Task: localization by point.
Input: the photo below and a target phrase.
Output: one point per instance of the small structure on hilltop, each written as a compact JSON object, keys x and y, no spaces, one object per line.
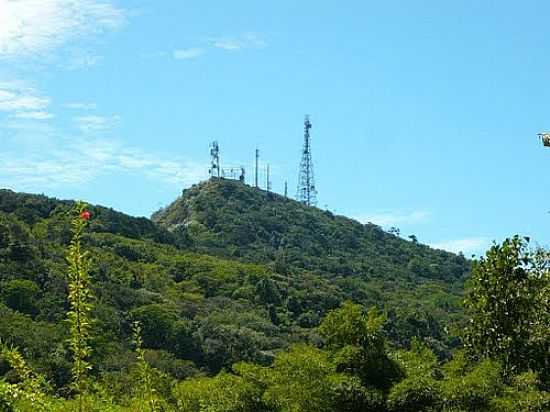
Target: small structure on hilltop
{"x":545,"y":138}
{"x":217,"y":171}
{"x":234,"y":173}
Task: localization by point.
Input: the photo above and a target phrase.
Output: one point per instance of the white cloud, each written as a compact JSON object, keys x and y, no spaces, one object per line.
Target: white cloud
{"x":467,"y":245}
{"x":73,"y":163}
{"x":80,"y":106}
{"x":84,"y":61}
{"x":246,"y":41}
{"x":14,"y":99}
{"x":23,"y":135}
{"x":154,"y":54}
{"x":228,"y":44}
{"x":23,"y":102}
{"x":185,"y":54}
{"x":394,"y":218}
{"x":34,"y":115}
{"x":92,"y":123}
{"x":34,"y":27}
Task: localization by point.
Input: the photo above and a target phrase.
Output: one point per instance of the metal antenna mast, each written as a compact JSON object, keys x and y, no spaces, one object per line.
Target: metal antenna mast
{"x":307,"y":193}
{"x":214,"y":160}
{"x":267,"y":180}
{"x":257,"y":161}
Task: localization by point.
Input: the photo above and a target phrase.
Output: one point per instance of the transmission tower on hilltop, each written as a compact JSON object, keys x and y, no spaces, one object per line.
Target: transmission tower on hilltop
{"x":214,"y":170}
{"x":307,"y":193}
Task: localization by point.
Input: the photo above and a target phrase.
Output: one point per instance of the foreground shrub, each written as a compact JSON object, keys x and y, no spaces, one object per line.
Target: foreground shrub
{"x":469,"y":386}
{"x":223,"y":393}
{"x":523,"y":395}
{"x":419,"y":391}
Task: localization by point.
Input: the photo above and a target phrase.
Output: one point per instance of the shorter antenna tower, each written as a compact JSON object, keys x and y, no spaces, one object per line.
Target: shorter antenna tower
{"x":307,"y":193}
{"x":267,"y":180}
{"x":214,"y":170}
{"x":256,"y":171}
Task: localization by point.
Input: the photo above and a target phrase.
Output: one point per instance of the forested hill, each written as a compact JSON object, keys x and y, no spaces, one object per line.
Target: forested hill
{"x":227,"y":273}
{"x":32,"y":209}
{"x":228,"y":218}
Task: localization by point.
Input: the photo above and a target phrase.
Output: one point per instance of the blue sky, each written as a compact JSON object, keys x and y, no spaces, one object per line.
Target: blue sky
{"x":425,"y":113}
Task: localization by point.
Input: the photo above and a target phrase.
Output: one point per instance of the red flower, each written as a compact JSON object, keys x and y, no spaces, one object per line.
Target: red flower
{"x":85,"y":215}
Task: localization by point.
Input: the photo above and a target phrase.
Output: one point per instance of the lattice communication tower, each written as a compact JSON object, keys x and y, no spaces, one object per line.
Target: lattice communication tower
{"x":214,"y":170}
{"x":307,"y":192}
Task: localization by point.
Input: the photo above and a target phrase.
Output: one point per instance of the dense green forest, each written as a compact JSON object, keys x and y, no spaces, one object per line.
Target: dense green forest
{"x":234,"y":299}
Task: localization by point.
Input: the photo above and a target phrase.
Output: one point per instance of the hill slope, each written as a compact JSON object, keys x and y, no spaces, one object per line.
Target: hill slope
{"x":202,"y":312}
{"x":419,"y":287}
{"x":229,"y":218}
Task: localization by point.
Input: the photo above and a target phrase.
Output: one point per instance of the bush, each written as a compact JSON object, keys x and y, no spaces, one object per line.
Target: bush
{"x":21,"y":295}
{"x":470,"y":386}
{"x":223,"y":393}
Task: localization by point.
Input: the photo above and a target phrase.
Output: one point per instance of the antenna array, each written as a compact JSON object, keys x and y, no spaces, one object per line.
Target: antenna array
{"x":306,"y":192}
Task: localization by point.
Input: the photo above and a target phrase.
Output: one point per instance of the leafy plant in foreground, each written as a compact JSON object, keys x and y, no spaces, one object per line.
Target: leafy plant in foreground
{"x":147,"y":392}
{"x":80,"y":296}
{"x":29,"y":392}
{"x":506,"y":308}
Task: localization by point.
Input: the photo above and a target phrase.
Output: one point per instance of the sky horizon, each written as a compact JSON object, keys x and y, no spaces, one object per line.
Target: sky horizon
{"x":425,"y":115}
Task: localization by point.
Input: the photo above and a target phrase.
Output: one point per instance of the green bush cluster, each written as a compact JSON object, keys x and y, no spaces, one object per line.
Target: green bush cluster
{"x":307,"y":378}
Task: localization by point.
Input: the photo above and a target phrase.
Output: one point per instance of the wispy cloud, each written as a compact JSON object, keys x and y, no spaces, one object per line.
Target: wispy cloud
{"x":245,"y":41}
{"x":186,"y":54}
{"x":24,"y":135}
{"x":21,"y":99}
{"x":72,"y":163}
{"x":33,"y":27}
{"x":83,"y":61}
{"x":154,"y":54}
{"x":80,"y":106}
{"x":23,"y":102}
{"x":467,"y":245}
{"x":34,"y":115}
{"x":93,"y":123}
{"x":393,"y":218}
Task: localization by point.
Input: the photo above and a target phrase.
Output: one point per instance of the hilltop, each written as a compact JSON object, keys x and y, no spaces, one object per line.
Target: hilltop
{"x":231,"y":219}
{"x":225,"y":273}
{"x":420,"y":287}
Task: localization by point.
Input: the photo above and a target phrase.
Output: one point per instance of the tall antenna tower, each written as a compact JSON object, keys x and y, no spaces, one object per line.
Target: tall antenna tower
{"x":307,"y":193}
{"x":214,"y":170}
